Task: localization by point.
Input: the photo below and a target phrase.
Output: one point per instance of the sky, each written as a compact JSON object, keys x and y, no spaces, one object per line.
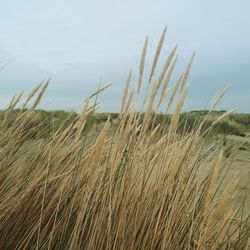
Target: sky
{"x":80,"y":43}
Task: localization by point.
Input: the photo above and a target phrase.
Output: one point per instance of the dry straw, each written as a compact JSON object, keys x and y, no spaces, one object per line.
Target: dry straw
{"x":142,"y":64}
{"x":157,"y":54}
{"x":126,"y":186}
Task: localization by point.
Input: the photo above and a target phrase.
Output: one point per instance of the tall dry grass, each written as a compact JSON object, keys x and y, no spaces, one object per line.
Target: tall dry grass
{"x":131,"y":187}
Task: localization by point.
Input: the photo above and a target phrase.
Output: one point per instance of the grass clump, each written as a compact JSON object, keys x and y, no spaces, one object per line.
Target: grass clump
{"x":136,"y":187}
{"x":228,"y":151}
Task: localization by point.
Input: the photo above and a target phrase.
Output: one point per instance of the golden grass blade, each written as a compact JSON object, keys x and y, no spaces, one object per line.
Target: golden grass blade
{"x":157,"y":54}
{"x":166,"y":65}
{"x":100,"y":90}
{"x":185,"y":76}
{"x":218,"y":99}
{"x":226,"y":114}
{"x":39,"y":97}
{"x":142,"y":64}
{"x":173,"y":93}
{"x":34,"y":91}
{"x":125,"y":92}
{"x":169,"y":74}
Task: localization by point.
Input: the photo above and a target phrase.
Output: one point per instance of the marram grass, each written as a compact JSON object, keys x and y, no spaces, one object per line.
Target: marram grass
{"x":128,"y":186}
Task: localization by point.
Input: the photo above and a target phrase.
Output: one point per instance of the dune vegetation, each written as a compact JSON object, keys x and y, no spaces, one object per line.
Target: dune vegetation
{"x":142,"y":180}
{"x":50,"y":121}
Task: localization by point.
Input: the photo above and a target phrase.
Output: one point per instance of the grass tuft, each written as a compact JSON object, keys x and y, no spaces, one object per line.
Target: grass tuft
{"x":140,"y":181}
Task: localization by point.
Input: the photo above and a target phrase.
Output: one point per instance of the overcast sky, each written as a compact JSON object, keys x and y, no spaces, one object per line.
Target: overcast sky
{"x":75,"y":42}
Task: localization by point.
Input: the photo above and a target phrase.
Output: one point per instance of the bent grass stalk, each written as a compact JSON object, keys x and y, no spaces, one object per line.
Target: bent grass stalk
{"x":129,"y":186}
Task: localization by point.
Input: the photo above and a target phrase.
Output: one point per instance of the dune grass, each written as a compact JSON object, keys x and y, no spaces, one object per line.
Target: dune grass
{"x":50,"y":121}
{"x":136,"y":187}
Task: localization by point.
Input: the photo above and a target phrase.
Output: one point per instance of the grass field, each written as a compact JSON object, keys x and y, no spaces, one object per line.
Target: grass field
{"x":133,"y":180}
{"x":50,"y":121}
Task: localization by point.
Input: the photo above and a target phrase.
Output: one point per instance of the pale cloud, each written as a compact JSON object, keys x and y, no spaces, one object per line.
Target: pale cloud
{"x":77,"y":42}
